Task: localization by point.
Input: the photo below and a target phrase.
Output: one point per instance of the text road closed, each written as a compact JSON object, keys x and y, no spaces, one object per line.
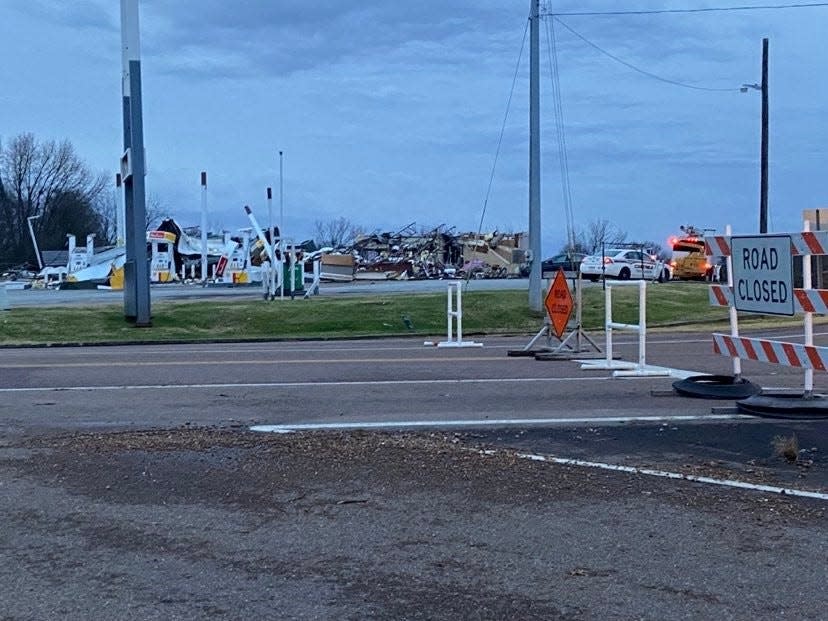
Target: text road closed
{"x":763,"y":274}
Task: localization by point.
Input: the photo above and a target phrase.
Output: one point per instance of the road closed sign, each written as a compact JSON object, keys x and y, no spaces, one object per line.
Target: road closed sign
{"x":763,"y":274}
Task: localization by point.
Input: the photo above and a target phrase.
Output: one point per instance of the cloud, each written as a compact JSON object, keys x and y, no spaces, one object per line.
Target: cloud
{"x":78,"y":14}
{"x":280,"y":38}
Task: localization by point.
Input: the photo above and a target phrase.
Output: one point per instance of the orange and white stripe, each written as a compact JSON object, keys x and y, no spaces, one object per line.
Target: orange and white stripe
{"x":774,"y":352}
{"x":809,"y":243}
{"x":813,"y":243}
{"x":717,"y":246}
{"x":805,"y":300}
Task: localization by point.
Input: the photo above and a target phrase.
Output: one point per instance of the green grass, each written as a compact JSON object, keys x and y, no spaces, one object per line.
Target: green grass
{"x":502,"y":312}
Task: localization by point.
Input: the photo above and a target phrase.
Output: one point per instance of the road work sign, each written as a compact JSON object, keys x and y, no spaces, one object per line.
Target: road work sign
{"x":559,"y":303}
{"x":763,"y":274}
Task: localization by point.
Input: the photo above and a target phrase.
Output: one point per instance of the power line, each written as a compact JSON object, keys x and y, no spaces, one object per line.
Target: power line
{"x":500,"y":138}
{"x":638,"y":69}
{"x":563,"y":156}
{"x":721,"y":9}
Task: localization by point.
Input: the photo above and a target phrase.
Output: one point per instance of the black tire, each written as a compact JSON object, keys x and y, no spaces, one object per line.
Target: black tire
{"x":716,"y":387}
{"x":664,"y":276}
{"x":592,"y":278}
{"x":624,"y":274}
{"x":785,"y":406}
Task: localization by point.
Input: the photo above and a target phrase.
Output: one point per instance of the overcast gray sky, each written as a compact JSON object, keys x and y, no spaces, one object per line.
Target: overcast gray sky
{"x":390,"y":112}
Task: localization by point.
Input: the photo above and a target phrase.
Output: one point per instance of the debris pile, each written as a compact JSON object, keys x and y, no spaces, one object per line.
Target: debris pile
{"x":433,"y":254}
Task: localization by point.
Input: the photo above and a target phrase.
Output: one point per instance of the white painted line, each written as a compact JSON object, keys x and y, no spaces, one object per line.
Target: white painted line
{"x":499,"y":380}
{"x":674,"y":475}
{"x":246,"y":362}
{"x":500,"y":422}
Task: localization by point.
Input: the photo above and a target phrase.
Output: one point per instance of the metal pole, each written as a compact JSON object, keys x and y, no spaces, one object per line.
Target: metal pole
{"x":809,"y":318}
{"x":763,"y":190}
{"x":734,"y":316}
{"x":204,"y":227}
{"x":579,"y":297}
{"x":281,"y":197}
{"x":449,"y":313}
{"x":272,"y":251}
{"x":535,"y":302}
{"x":34,"y":241}
{"x":642,"y":323}
{"x":270,"y":216}
{"x":459,"y":311}
{"x":120,"y":216}
{"x":608,"y":323}
{"x":136,"y":270}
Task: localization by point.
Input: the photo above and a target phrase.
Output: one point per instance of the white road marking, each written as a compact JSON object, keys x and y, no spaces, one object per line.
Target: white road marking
{"x":245,"y":362}
{"x":592,"y":420}
{"x":316,"y":346}
{"x":674,"y":475}
{"x":504,"y":380}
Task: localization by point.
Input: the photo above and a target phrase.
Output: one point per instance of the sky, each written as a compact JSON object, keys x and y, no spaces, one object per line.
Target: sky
{"x":390,"y":113}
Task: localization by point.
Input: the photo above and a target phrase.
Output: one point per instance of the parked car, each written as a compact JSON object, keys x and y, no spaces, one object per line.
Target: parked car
{"x":624,"y":264}
{"x":569,"y":262}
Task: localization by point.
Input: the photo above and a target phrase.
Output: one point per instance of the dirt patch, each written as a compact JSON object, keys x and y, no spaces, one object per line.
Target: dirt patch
{"x":324,"y":471}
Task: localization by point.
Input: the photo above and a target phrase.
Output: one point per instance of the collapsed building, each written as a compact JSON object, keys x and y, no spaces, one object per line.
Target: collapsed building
{"x":435,"y":254}
{"x":174,"y":254}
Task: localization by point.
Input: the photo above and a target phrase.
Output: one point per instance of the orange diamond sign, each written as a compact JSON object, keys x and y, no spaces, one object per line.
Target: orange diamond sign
{"x":559,"y":303}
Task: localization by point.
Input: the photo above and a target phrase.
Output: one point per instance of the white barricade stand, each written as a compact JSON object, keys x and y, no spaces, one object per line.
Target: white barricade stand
{"x":622,"y":368}
{"x":801,"y":301}
{"x":454,"y":311}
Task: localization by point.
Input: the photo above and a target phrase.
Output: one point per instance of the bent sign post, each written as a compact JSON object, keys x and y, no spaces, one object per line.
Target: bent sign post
{"x":763,"y":274}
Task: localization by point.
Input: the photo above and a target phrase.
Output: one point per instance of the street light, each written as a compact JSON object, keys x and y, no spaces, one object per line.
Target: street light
{"x":763,"y":175}
{"x":34,"y":240}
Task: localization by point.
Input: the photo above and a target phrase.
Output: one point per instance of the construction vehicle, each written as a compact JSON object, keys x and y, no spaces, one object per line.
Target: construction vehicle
{"x":689,"y":261}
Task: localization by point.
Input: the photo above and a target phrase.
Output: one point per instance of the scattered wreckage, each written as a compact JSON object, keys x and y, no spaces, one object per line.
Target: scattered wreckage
{"x":435,"y":254}
{"x":246,"y":257}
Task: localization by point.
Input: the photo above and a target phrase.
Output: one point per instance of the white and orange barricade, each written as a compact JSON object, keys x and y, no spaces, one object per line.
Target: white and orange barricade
{"x":804,"y":301}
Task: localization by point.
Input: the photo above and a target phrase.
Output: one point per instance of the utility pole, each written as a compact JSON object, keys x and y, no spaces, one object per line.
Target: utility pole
{"x":281,"y":199}
{"x":136,"y":268}
{"x":763,"y":191}
{"x":204,"y":227}
{"x":535,"y":302}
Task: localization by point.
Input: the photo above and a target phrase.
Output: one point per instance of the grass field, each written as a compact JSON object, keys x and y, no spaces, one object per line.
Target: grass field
{"x":503,"y":312}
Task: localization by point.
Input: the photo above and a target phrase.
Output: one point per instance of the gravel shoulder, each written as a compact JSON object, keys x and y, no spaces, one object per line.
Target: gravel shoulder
{"x":226,"y":524}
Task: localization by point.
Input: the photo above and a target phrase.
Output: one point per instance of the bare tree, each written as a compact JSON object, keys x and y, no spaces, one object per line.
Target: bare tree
{"x":107,"y":210}
{"x":47,"y":180}
{"x":599,"y":233}
{"x":336,"y":233}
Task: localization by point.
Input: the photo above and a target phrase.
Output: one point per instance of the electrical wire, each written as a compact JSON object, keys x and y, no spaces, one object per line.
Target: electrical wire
{"x":722,"y":9}
{"x":563,"y":156}
{"x":500,"y":138}
{"x":638,"y":69}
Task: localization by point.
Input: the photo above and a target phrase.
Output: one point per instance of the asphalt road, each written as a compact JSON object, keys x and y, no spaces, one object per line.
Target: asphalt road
{"x":297,"y":382}
{"x":133,"y":489}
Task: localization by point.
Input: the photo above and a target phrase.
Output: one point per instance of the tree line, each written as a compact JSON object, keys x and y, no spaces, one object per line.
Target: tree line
{"x":601,"y":234}
{"x":48,"y":184}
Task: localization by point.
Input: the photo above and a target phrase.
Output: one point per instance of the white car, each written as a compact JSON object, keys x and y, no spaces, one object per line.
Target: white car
{"x":624,"y":264}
